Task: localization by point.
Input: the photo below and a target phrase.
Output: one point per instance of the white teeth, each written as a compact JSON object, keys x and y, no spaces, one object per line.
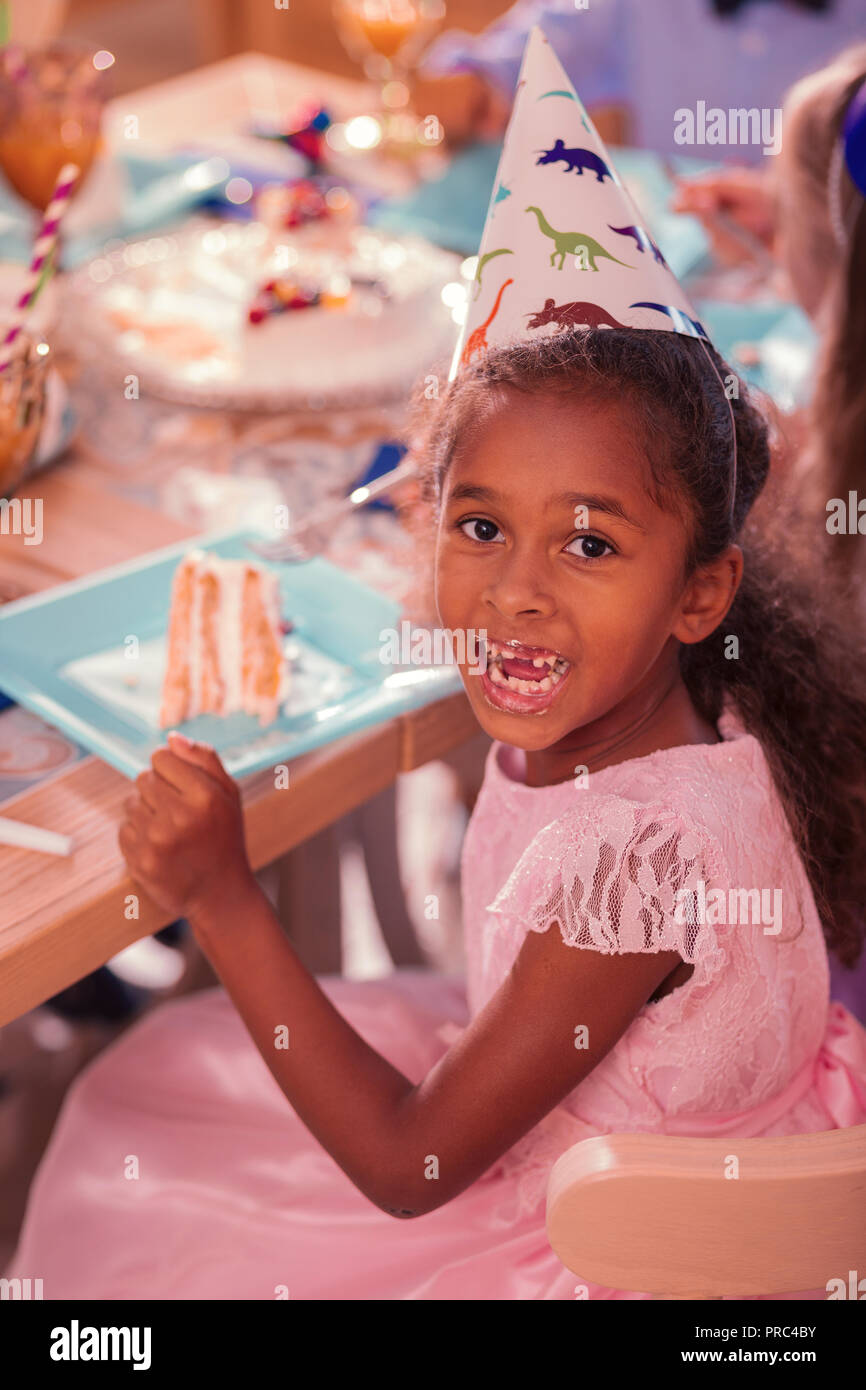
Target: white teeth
{"x":555,"y":665}
{"x":523,"y":687}
{"x":497,"y":652}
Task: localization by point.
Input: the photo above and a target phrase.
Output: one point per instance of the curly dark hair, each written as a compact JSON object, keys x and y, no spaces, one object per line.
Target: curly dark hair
{"x":799,"y":684}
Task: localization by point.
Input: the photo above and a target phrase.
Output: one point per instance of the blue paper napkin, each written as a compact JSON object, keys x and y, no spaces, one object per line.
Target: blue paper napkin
{"x":386,"y":459}
{"x":160,"y":192}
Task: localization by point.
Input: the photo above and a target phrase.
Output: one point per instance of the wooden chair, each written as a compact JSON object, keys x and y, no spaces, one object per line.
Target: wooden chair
{"x":660,"y":1214}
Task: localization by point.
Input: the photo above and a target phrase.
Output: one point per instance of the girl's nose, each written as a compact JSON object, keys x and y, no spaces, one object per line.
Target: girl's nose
{"x":520,"y":588}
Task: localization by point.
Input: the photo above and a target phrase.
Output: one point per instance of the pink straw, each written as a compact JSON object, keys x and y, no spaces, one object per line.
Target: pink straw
{"x":45,"y":244}
{"x":15,"y":62}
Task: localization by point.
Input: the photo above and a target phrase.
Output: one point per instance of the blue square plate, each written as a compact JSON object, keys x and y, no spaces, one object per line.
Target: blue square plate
{"x":88,"y":657}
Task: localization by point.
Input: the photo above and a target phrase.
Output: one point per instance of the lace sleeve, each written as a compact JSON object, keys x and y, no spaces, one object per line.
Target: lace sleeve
{"x":624,"y":877}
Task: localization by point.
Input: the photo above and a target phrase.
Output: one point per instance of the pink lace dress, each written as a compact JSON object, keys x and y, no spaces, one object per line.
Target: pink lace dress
{"x":177,"y":1170}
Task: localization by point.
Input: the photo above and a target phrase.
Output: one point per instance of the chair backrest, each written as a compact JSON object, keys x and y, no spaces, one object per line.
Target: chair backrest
{"x":702,"y":1218}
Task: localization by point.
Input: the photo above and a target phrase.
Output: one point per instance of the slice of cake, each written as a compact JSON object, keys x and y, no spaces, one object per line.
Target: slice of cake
{"x":225,"y":641}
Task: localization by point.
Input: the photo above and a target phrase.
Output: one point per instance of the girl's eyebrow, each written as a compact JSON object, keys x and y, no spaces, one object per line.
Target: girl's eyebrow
{"x":592,"y":501}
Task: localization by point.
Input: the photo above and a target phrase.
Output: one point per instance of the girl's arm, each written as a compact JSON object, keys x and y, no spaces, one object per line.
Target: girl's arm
{"x":409,"y":1148}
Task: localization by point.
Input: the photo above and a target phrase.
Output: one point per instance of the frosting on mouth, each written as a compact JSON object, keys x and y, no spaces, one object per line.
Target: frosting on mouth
{"x":525,"y":670}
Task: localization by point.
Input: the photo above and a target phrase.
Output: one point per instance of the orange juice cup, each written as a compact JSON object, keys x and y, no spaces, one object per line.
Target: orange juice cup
{"x":388,"y":32}
{"x":51,"y":101}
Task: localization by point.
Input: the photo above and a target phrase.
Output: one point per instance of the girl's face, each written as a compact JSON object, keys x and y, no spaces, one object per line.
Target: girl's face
{"x":550,"y":543}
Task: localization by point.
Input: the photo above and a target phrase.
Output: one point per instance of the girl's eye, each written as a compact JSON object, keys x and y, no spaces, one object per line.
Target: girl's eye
{"x":589,"y":547}
{"x":482,"y":529}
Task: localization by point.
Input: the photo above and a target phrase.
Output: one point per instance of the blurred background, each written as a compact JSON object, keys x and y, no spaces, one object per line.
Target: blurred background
{"x":154,"y":39}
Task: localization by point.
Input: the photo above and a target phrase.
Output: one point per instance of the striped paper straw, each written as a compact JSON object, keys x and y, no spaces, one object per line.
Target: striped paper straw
{"x":15,"y":62}
{"x":45,"y":244}
{"x":24,"y":836}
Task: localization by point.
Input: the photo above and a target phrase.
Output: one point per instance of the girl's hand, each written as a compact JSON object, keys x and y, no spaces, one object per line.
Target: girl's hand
{"x":182,"y":835}
{"x":743,"y":195}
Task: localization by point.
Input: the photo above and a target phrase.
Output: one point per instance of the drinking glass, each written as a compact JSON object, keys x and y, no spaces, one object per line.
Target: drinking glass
{"x":387,"y":37}
{"x":51,"y":101}
{"x":22,"y":404}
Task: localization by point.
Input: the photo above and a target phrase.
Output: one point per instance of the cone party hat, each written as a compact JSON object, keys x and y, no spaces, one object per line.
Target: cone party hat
{"x":563,"y":244}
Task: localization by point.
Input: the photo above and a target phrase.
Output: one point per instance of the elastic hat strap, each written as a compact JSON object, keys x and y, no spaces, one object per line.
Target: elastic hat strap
{"x":733,"y":488}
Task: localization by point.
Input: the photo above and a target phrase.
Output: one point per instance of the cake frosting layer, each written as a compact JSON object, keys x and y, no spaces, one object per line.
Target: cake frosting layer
{"x":225,"y":647}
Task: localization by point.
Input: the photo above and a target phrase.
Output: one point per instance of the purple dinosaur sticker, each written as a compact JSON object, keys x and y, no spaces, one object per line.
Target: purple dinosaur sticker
{"x":575,"y":159}
{"x":643,"y":241}
{"x":682,"y":321}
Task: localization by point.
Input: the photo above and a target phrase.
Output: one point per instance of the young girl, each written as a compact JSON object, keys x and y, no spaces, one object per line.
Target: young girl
{"x":668,"y":722}
{"x":672,"y":821}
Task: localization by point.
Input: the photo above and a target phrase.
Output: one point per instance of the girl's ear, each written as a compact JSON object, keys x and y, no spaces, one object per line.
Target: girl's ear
{"x":708,"y":595}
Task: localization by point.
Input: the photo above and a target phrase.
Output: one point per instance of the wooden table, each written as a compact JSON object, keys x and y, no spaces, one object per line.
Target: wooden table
{"x":61,"y":918}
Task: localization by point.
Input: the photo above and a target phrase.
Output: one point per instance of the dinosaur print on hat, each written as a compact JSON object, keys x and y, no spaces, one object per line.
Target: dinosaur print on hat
{"x":642,"y":239}
{"x":477,"y":340}
{"x":579,"y":254}
{"x":677,"y":316}
{"x":572,"y":244}
{"x":574,"y":159}
{"x":580,"y":312}
{"x":482,"y":261}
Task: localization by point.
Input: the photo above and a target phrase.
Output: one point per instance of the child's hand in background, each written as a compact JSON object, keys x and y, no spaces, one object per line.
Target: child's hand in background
{"x":466,"y":106}
{"x":743,"y":196}
{"x":182,"y":835}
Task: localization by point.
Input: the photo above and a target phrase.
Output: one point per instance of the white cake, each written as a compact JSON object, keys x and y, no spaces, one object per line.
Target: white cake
{"x":176,"y":314}
{"x":225,"y":641}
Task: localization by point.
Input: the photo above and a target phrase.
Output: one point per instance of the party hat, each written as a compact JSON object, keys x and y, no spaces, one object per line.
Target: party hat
{"x":563,"y":244}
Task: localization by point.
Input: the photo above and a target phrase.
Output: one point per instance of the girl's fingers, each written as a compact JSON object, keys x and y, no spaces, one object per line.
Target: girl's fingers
{"x":134,"y":807}
{"x":127,"y":838}
{"x":198,"y":755}
{"x":148,"y":790}
{"x":173,"y":777}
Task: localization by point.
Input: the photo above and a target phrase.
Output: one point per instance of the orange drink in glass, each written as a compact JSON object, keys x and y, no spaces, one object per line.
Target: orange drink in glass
{"x":51,"y":101}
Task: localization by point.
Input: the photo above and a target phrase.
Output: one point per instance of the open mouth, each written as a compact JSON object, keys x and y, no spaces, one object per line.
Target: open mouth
{"x":527,"y":670}
{"x":518,"y":677}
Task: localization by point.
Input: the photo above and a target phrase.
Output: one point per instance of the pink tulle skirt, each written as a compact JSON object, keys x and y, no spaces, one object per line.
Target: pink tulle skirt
{"x":178,"y":1170}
